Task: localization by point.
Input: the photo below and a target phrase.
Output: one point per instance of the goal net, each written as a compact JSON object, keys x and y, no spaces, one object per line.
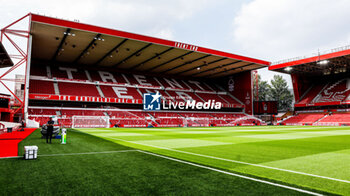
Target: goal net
{"x":90,"y":121}
{"x":169,"y":121}
{"x":196,"y":122}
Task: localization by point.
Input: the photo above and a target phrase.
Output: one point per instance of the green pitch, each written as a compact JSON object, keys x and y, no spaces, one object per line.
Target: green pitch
{"x":186,"y":161}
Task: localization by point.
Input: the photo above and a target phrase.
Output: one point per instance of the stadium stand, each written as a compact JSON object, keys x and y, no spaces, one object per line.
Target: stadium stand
{"x":37,"y":87}
{"x":335,"y":91}
{"x":139,"y":118}
{"x":301,"y":119}
{"x":80,"y":70}
{"x":336,"y":118}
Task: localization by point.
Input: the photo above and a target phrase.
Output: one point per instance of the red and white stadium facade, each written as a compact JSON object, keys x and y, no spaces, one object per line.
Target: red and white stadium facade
{"x":76,"y":69}
{"x":321,"y":88}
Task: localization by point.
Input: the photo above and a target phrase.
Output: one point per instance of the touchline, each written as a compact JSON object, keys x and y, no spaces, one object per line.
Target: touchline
{"x":192,"y":104}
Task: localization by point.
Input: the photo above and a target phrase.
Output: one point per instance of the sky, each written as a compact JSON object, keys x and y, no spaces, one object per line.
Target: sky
{"x":265,"y":29}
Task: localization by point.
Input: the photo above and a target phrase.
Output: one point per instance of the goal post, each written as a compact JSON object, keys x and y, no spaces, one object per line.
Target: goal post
{"x":90,"y":122}
{"x":196,"y":122}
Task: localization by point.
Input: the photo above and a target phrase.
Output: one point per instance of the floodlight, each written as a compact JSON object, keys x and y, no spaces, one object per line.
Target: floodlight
{"x":324,"y":62}
{"x":288,"y":69}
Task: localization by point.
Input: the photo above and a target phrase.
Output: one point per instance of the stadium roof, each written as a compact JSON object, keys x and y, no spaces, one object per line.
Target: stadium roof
{"x":5,"y":60}
{"x":78,"y":43}
{"x":337,"y":61}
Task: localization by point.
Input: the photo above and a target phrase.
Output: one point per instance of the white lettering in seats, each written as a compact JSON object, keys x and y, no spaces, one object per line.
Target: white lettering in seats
{"x":196,"y":83}
{"x":121,"y":92}
{"x":105,"y":76}
{"x":173,"y":83}
{"x":142,"y":80}
{"x":68,"y":71}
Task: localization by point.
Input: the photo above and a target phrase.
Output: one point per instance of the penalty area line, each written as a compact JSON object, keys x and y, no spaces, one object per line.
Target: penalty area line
{"x":232,"y":174}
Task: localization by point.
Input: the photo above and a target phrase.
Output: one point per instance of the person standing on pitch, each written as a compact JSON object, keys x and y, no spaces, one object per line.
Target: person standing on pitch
{"x":49,"y":131}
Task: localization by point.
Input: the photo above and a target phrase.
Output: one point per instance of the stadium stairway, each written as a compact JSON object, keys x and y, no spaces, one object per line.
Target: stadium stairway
{"x":9,"y":142}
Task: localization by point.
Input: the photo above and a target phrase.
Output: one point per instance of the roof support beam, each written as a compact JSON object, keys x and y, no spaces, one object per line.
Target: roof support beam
{"x":221,"y":66}
{"x":61,"y":44}
{"x":204,"y":64}
{"x":240,"y":67}
{"x":186,"y":63}
{"x":87,"y":47}
{"x":133,"y":54}
{"x":111,"y":51}
{"x":171,"y":60}
{"x":157,"y":55}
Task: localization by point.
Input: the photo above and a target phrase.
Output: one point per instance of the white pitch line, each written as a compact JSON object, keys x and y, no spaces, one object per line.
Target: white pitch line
{"x":70,"y":154}
{"x":233,"y":174}
{"x":234,"y":161}
{"x":10,"y":157}
{"x":85,"y":153}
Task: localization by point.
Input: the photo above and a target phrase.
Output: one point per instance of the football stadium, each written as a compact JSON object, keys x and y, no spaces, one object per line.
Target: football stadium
{"x":131,"y":114}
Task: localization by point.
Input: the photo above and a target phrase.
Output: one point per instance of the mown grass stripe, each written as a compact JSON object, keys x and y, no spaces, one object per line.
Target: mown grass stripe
{"x":233,"y":174}
{"x":234,"y":161}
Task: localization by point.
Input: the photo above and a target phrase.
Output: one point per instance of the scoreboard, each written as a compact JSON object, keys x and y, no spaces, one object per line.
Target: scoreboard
{"x":265,"y":107}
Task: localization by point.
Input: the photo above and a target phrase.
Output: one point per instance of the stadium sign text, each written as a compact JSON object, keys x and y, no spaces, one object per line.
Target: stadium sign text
{"x":152,"y":101}
{"x":192,"y":104}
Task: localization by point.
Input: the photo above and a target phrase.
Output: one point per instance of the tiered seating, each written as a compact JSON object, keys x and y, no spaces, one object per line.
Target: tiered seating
{"x":198,"y":86}
{"x":343,"y":118}
{"x":130,"y":92}
{"x":128,"y":119}
{"x":230,"y":100}
{"x":62,"y":73}
{"x":335,"y":91}
{"x":218,"y":122}
{"x":138,"y":118}
{"x":145,"y":81}
{"x":228,"y":115}
{"x":118,"y":78}
{"x":40,"y":119}
{"x":42,"y":111}
{"x":76,"y":83}
{"x":173,"y":83}
{"x":304,"y":118}
{"x":169,"y":122}
{"x":70,"y":113}
{"x":164,"y":114}
{"x":167,"y":119}
{"x":129,"y":122}
{"x":196,"y":115}
{"x":194,"y":96}
{"x":88,"y":83}
{"x":209,"y":96}
{"x":179,"y":98}
{"x":65,"y":122}
{"x":78,"y":89}
{"x":125,"y":114}
{"x":41,"y":87}
{"x":311,"y":94}
{"x":34,"y":71}
{"x":41,"y":115}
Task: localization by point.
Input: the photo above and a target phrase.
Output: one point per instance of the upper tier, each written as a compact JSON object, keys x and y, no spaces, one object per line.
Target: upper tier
{"x":326,"y":93}
{"x":53,"y":80}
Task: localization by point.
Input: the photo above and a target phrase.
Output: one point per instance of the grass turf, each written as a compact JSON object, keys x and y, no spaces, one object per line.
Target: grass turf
{"x":119,"y":173}
{"x":314,"y":150}
{"x":317,"y":158}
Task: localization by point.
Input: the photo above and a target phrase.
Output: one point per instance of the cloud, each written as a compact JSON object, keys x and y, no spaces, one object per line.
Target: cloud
{"x":139,"y":16}
{"x":155,"y":18}
{"x":275,"y":30}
